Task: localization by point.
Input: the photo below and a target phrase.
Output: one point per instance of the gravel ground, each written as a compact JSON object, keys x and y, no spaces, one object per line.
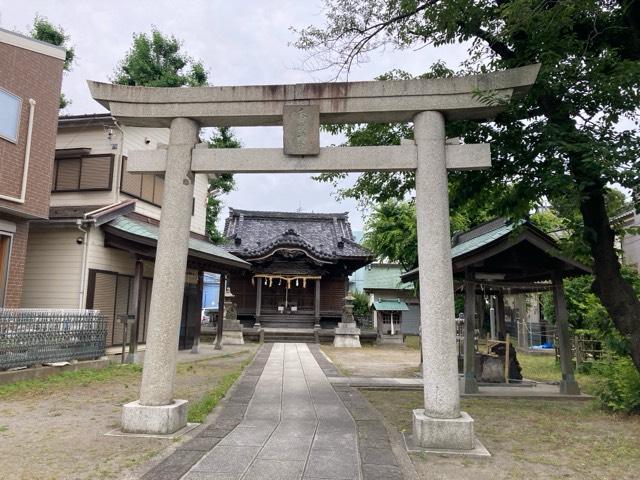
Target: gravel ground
{"x":375,"y":361}
{"x":57,"y":433}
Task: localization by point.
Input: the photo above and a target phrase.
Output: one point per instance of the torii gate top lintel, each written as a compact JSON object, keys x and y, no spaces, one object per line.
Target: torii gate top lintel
{"x":352,"y":102}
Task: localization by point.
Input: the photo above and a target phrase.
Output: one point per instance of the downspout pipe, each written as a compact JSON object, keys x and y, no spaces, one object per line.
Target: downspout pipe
{"x":27,"y":156}
{"x":85,"y":253}
{"x":117,"y":174}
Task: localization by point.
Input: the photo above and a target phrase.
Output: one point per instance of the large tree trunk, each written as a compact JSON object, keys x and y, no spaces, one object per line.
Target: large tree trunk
{"x":615,"y":293}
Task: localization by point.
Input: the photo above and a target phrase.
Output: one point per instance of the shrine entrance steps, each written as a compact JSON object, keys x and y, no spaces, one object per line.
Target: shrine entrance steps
{"x":281,"y":321}
{"x":289,"y":335}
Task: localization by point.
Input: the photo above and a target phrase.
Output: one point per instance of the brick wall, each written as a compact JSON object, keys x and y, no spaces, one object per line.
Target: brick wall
{"x":28,"y":75}
{"x":15,"y":279}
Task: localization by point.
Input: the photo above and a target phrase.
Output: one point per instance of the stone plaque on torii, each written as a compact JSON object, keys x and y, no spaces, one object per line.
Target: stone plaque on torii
{"x":301,"y":108}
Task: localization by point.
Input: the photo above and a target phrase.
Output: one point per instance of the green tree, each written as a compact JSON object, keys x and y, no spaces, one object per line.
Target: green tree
{"x":45,"y":31}
{"x":390,"y":233}
{"x":221,"y":184}
{"x":156,"y":60}
{"x":390,"y":230}
{"x":566,"y":139}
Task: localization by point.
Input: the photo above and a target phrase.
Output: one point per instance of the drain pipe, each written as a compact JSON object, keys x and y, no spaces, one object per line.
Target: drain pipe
{"x":117,"y":174}
{"x":85,"y":252}
{"x":27,"y":155}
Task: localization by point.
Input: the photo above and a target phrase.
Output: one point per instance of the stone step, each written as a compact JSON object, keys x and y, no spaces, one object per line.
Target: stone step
{"x":285,"y":335}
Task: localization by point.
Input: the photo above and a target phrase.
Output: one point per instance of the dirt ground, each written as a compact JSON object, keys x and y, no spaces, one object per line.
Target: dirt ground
{"x":57,"y":432}
{"x":376,"y":360}
{"x":529,"y":439}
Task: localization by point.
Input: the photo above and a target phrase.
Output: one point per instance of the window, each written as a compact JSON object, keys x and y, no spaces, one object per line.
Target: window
{"x":90,"y":173}
{"x":10,"y":108}
{"x":5,"y":252}
{"x":146,"y":186}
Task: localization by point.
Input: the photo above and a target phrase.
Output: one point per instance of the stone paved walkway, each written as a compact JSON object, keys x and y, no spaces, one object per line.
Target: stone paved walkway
{"x":284,"y":420}
{"x":295,"y":426}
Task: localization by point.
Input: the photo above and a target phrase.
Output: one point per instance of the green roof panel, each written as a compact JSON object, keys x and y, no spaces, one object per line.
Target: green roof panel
{"x":384,"y":277}
{"x":386,"y":305}
{"x":484,"y":239}
{"x":146,"y":230}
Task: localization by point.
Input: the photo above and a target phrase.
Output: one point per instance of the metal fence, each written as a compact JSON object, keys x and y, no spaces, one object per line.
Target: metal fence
{"x":35,"y":336}
{"x":365,"y":322}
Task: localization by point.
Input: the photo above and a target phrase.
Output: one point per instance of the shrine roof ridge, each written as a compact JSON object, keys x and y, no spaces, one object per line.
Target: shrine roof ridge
{"x":287,"y":215}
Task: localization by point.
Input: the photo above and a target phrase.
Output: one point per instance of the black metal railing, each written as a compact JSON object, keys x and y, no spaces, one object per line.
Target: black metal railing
{"x":35,"y":336}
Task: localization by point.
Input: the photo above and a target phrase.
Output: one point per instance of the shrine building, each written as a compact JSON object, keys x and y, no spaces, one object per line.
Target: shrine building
{"x":300,"y":264}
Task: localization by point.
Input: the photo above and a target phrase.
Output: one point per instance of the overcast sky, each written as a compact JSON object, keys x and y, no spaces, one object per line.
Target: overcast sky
{"x":240,"y":42}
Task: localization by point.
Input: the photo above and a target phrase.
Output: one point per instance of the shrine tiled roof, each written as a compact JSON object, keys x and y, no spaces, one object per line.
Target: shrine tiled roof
{"x":325,"y":236}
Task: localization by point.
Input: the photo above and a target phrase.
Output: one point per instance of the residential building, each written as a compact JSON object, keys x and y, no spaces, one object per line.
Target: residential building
{"x":30,"y":79}
{"x":97,"y":248}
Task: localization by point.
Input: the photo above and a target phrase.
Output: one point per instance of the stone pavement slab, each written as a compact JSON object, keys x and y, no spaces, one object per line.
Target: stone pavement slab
{"x":284,"y":420}
{"x":294,"y":426}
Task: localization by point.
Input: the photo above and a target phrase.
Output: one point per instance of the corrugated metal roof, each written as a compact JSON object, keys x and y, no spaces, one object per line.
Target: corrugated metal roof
{"x":394,"y":305}
{"x":149,"y":231}
{"x":386,"y":277}
{"x":483,"y":239}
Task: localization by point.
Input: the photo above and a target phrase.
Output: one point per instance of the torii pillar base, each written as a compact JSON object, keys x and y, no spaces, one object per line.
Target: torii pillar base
{"x":154,"y":420}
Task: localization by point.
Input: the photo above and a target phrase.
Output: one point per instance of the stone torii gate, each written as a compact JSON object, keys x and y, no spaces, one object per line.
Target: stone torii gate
{"x":301,"y":108}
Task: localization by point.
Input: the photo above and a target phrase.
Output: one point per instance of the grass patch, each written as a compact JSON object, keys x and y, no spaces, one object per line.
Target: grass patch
{"x":577,"y":439}
{"x":544,"y":368}
{"x":189,"y":366}
{"x":541,"y":368}
{"x":80,"y":378}
{"x":412,"y":342}
{"x":198,"y":410}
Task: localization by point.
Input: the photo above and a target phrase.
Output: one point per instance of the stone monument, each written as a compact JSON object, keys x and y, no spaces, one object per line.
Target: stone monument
{"x":347,"y":333}
{"x":232,"y":328}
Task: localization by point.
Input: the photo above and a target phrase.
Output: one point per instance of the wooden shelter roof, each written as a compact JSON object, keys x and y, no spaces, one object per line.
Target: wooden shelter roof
{"x":509,"y":255}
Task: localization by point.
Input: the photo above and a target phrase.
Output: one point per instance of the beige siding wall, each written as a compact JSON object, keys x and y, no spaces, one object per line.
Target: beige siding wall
{"x":200,"y":208}
{"x":94,"y":137}
{"x":135,"y":138}
{"x":53,"y":266}
{"x":109,"y":259}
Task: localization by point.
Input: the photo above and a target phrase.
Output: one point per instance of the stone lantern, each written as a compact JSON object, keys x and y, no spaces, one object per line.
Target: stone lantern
{"x":232,"y":329}
{"x":347,"y":334}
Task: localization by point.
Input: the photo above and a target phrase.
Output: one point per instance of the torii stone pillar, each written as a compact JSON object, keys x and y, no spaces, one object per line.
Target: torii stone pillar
{"x":157,"y":411}
{"x":441,"y":424}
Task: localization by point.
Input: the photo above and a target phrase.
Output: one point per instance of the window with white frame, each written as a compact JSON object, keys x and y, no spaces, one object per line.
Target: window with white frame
{"x":10,"y":107}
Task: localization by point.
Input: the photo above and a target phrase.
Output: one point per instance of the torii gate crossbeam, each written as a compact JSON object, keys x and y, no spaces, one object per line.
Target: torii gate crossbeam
{"x":300,"y":109}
